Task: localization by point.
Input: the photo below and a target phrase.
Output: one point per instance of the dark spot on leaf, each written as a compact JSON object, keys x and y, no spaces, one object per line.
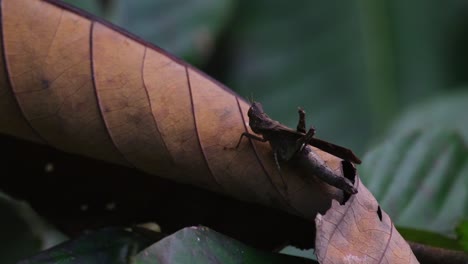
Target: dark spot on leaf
{"x":379,"y":213}
{"x":45,"y":83}
{"x":349,"y":171}
{"x":134,"y":118}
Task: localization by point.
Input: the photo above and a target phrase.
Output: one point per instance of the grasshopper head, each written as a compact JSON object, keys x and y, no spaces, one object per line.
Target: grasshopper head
{"x":256,"y":109}
{"x":256,"y":116}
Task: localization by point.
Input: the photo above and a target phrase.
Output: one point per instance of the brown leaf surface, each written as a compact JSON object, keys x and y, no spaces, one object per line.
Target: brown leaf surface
{"x":357,"y":233}
{"x":84,"y":86}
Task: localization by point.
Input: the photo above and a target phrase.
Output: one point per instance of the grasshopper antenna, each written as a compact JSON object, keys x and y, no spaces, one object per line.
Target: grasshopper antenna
{"x":251,"y":98}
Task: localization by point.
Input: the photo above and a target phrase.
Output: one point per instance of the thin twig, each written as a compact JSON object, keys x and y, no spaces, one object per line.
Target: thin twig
{"x":432,"y":255}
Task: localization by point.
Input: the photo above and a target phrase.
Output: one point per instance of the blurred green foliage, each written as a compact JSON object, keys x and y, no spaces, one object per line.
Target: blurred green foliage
{"x":387,"y":78}
{"x":419,"y":173}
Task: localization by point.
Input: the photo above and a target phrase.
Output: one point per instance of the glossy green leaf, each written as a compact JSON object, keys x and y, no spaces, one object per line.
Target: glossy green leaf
{"x":189,"y":245}
{"x":429,"y":238}
{"x":110,"y":245}
{"x":188,"y":28}
{"x":17,"y":237}
{"x":420,"y":173}
{"x":22,"y":231}
{"x":201,"y":245}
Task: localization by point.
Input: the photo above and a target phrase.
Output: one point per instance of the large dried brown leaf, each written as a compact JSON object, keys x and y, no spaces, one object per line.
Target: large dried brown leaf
{"x":359,"y":232}
{"x":84,"y":86}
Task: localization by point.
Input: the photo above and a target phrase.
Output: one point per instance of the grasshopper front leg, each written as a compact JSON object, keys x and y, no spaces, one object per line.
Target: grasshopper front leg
{"x":250,"y":136}
{"x":275,"y":153}
{"x":301,"y":125}
{"x":303,"y":141}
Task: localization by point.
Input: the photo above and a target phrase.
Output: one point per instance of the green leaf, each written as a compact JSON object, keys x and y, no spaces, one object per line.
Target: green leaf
{"x":91,"y":6}
{"x":420,"y":173}
{"x":22,"y":231}
{"x":429,"y":238}
{"x":110,"y":245}
{"x":17,"y":237}
{"x":189,"y":245}
{"x":462,"y":233}
{"x":446,"y":112}
{"x":188,"y":29}
{"x":294,"y":251}
{"x":202,"y":245}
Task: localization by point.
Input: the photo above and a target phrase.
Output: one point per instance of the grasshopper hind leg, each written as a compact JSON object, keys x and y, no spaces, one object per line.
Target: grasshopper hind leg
{"x":275,"y":155}
{"x":301,"y":127}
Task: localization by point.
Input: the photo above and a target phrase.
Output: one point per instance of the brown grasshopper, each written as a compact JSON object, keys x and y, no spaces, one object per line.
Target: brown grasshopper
{"x":285,"y":141}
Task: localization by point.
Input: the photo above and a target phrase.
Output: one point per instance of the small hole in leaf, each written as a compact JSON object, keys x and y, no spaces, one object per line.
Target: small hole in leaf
{"x":379,"y":213}
{"x":349,"y":171}
{"x":346,"y":197}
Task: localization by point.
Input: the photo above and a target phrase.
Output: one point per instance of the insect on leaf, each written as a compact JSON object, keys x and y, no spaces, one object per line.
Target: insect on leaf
{"x":85,"y":86}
